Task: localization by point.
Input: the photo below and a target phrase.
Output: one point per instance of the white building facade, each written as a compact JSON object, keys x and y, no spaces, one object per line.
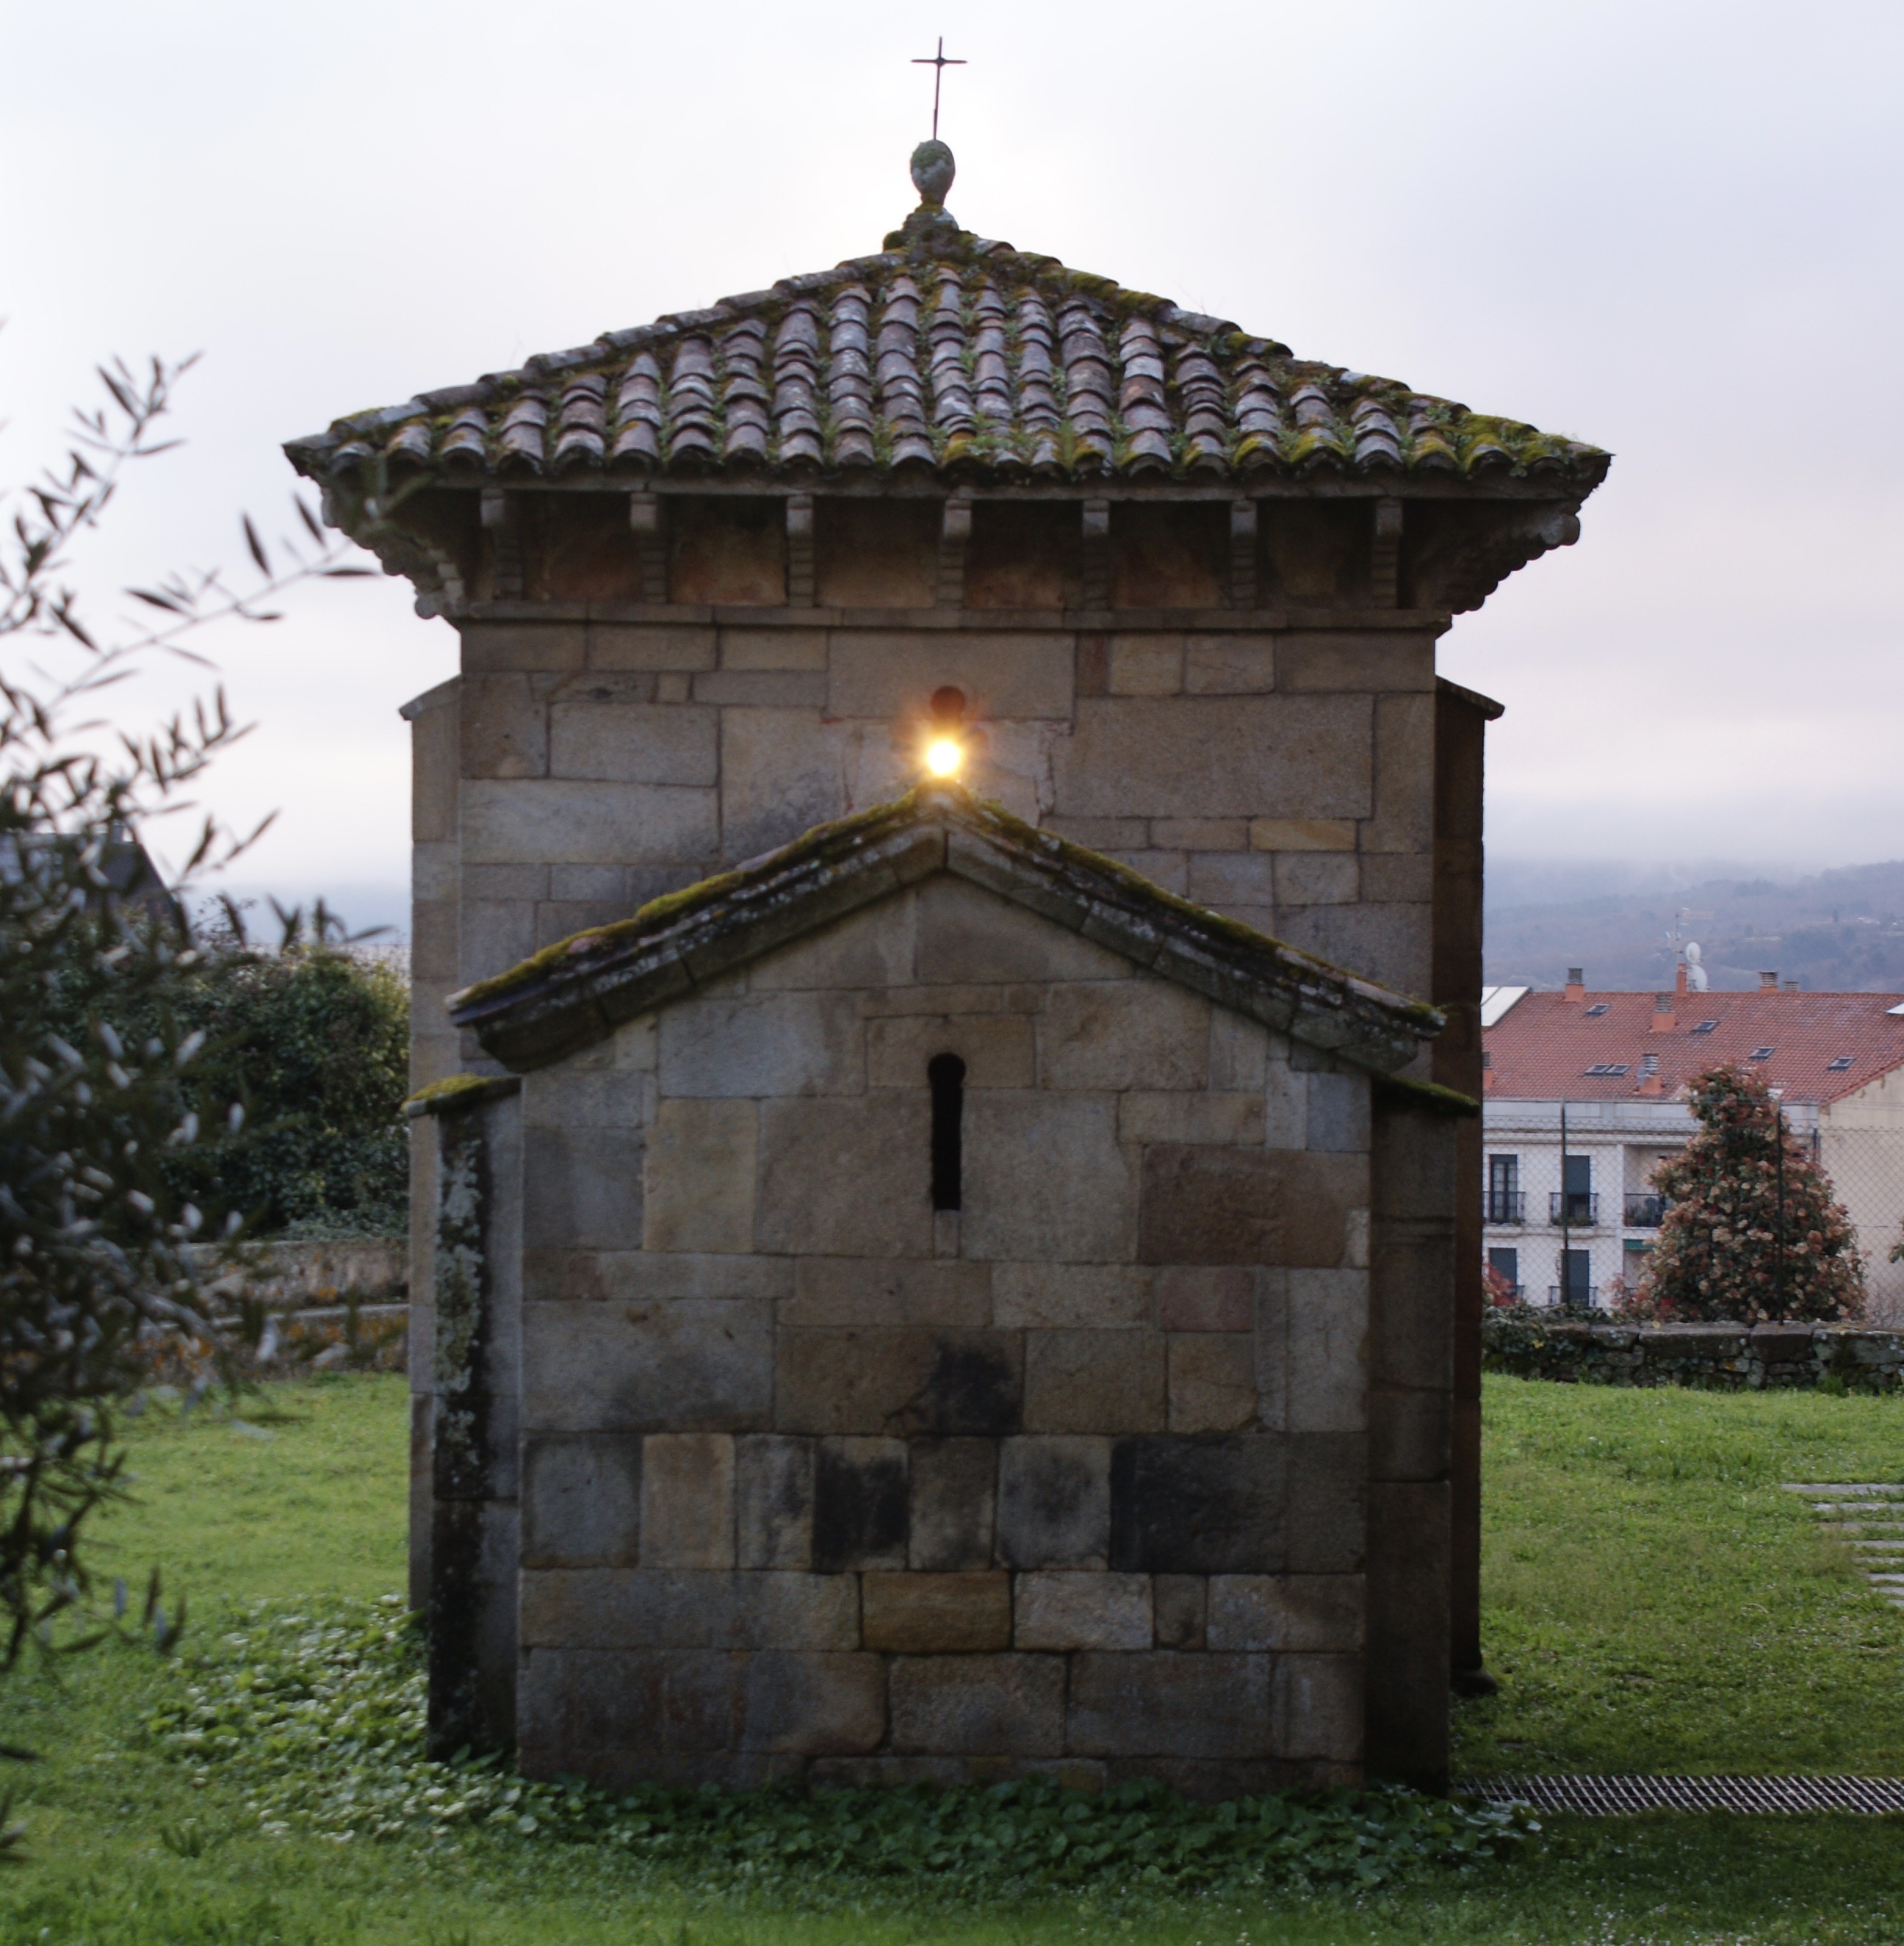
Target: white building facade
{"x":1570,"y":1209}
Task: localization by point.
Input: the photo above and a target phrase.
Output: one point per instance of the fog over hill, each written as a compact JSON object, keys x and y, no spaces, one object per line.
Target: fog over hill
{"x":1840,"y":931}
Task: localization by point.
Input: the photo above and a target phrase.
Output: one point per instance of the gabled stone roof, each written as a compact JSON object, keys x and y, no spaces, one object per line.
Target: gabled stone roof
{"x":954,"y":355}
{"x":574,"y":993}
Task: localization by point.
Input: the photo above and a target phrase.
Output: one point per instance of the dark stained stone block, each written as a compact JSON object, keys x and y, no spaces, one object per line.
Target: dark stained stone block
{"x":1320,"y":1706}
{"x":899,"y":1383}
{"x":974,"y":1384}
{"x":1409,"y":1547}
{"x":817,"y":1705}
{"x":1237,"y":1206}
{"x":1411,"y":1307}
{"x":581,"y":1500}
{"x":773,"y":1501}
{"x":1329,"y":1500}
{"x":585,"y":1700}
{"x":1054,"y":1502}
{"x":590,"y":1699}
{"x":1178,"y":1602}
{"x":955,"y":1495}
{"x":701,"y":1700}
{"x":1159,"y":1704}
{"x":581,"y":1188}
{"x":860,"y":1492}
{"x":1407,"y":1434}
{"x":979,"y":1705}
{"x":1209,"y":1505}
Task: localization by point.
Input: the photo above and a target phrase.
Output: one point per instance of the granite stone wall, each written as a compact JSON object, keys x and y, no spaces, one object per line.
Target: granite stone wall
{"x":578,"y":768}
{"x":818,"y":1480}
{"x":714,"y":1214}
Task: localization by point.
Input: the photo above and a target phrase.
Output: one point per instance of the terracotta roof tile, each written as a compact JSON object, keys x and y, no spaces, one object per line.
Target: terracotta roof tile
{"x":1543,"y":1047}
{"x":955,"y":353}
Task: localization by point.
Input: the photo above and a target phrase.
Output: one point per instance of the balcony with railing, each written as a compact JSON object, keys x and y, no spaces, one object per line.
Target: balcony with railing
{"x":1579,"y":1209}
{"x":1644,"y":1210}
{"x":1577,"y":1294}
{"x":1504,"y":1206}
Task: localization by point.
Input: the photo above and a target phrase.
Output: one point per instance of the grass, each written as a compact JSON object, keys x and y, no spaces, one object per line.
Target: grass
{"x":301,"y":1490}
{"x":1652,"y":1599}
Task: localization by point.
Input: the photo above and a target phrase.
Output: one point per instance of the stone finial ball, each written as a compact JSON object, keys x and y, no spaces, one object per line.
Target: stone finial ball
{"x":933,"y":170}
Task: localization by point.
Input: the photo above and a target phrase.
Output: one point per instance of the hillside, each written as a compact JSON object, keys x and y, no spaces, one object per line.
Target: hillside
{"x":1841,"y":931}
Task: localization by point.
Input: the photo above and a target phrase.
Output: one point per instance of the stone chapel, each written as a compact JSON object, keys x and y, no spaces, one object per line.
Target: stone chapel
{"x":947,"y":960}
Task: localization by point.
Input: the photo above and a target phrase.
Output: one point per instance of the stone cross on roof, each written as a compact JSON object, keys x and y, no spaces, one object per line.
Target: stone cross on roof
{"x":938,"y":63}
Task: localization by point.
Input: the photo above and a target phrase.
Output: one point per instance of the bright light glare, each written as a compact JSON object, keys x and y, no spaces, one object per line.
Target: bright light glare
{"x":943,"y":757}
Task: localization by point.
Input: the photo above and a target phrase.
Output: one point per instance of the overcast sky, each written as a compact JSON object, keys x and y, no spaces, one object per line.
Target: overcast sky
{"x":1668,"y":228}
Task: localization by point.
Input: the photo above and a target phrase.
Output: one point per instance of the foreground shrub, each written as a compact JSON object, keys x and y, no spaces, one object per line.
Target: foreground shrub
{"x":316,"y":1714}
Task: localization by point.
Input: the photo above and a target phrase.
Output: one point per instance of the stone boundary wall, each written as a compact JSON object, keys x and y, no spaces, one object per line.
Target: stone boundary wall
{"x":1718,"y":1358}
{"x":302,"y":1276}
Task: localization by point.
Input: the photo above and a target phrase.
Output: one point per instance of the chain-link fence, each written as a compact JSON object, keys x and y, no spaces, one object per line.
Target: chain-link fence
{"x":1864,"y":1161}
{"x":1572,"y":1209}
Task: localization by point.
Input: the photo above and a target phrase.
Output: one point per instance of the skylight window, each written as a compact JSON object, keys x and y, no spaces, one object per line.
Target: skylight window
{"x":1602,"y":1007}
{"x":1839,"y":1066}
{"x":1604,"y":1068}
{"x":1706,"y":1027}
{"x":1764,"y":1053}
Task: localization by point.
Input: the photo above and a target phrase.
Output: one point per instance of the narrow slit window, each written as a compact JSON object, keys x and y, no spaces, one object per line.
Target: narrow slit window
{"x":947,"y":1073}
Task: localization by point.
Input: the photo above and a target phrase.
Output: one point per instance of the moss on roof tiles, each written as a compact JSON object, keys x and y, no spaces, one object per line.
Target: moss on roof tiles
{"x":940,"y":246}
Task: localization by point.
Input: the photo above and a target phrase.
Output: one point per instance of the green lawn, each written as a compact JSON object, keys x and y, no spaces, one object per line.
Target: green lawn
{"x":302,"y":1489}
{"x":1652,"y":1600}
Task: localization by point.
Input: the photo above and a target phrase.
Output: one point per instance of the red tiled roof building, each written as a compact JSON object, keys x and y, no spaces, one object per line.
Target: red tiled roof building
{"x":1575,"y":1217}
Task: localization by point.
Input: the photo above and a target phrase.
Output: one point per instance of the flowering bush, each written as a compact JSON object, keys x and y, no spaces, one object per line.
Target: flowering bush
{"x":1752,"y":1231}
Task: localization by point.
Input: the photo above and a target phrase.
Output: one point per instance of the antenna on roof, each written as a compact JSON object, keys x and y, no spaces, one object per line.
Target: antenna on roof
{"x":938,"y":63}
{"x":1685,"y":960}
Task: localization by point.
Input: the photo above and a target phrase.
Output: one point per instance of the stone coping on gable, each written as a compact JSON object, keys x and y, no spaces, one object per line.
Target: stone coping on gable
{"x":575,"y":992}
{"x":1431,"y":1096}
{"x":457,"y":1094}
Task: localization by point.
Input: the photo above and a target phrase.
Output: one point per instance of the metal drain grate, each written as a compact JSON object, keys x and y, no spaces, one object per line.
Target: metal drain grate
{"x":1615,"y":1796}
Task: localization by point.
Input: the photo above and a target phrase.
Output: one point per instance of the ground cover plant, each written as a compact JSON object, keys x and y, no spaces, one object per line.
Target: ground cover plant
{"x":317,"y":1708}
{"x":134,"y":1843}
